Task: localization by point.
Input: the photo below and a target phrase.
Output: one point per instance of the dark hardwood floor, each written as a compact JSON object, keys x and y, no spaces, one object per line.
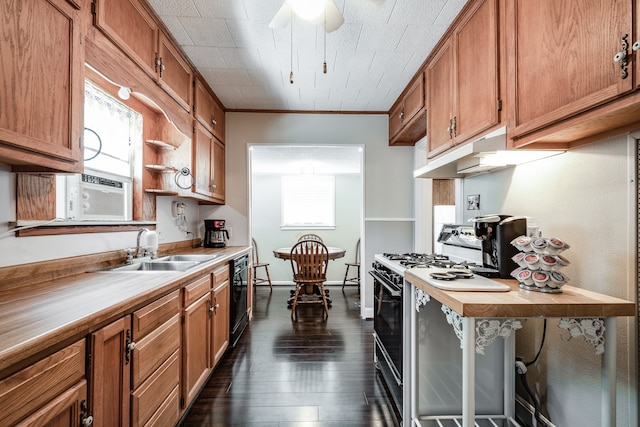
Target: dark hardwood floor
{"x":313,"y":372}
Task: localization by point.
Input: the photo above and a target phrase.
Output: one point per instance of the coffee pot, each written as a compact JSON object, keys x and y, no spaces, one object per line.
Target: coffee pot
{"x":215,"y":235}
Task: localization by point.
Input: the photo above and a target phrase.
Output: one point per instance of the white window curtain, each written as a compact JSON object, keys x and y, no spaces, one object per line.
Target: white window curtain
{"x":118,"y":127}
{"x":308,"y":201}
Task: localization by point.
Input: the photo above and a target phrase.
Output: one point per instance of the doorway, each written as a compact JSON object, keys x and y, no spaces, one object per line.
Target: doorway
{"x":271,"y":166}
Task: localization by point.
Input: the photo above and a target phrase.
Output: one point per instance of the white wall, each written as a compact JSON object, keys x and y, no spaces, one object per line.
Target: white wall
{"x":388,"y":173}
{"x":587,"y":198}
{"x":266,"y":218}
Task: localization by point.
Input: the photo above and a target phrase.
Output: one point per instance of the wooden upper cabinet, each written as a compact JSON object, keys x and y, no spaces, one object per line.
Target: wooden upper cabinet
{"x":477,"y":71}
{"x":561,"y":59}
{"x":406,"y":119}
{"x":463,"y":80}
{"x":207,"y":110}
{"x":42,"y":80}
{"x":208,"y":166}
{"x":440,"y":105}
{"x":132,"y":28}
{"x":174,"y":73}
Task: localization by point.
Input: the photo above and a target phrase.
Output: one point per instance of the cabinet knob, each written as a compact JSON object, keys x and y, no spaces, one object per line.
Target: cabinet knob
{"x":636,"y":46}
{"x":131,"y":346}
{"x":86,"y":422}
{"x":213,"y":122}
{"x":401,"y":115}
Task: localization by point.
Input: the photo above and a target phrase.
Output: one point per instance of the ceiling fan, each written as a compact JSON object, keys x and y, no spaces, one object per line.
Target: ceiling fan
{"x":317,"y":11}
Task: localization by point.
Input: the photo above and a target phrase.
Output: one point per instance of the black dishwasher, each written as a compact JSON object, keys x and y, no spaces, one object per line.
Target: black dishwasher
{"x":239,"y":268}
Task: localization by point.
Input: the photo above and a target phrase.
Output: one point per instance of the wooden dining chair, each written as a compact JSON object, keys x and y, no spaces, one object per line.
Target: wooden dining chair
{"x":356,"y":264}
{"x":309,"y":262}
{"x":257,"y":264}
{"x":311,"y":237}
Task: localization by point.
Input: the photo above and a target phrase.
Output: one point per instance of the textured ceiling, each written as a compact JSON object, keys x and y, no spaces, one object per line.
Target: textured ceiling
{"x":370,"y":59}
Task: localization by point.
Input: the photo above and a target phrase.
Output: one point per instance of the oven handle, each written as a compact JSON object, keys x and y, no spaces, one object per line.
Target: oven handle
{"x":387,"y":358}
{"x":397,"y":293}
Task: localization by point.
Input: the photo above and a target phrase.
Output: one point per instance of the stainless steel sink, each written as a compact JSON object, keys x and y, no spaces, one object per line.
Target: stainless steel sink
{"x":154,"y":266}
{"x":187,"y":257}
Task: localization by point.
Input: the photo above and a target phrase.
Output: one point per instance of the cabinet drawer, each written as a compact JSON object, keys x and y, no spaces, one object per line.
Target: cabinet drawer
{"x":169,"y":411}
{"x":150,"y":396}
{"x":151,"y":352}
{"x":29,"y":389}
{"x":64,"y":410}
{"x":155,"y":314}
{"x":195,"y":290}
{"x":220,"y":275}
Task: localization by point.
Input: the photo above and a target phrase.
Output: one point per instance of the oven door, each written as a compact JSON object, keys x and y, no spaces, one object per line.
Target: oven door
{"x":387,"y":323}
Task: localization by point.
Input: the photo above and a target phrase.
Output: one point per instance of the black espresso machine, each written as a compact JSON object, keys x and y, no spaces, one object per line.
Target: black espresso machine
{"x":485,"y":246}
{"x":496,"y":233}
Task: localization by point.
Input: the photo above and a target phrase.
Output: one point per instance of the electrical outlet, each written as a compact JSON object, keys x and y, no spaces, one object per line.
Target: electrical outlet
{"x":229,"y":231}
{"x":160,"y":235}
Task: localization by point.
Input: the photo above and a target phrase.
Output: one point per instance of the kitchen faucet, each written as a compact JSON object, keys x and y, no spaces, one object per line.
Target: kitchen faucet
{"x":142,"y":230}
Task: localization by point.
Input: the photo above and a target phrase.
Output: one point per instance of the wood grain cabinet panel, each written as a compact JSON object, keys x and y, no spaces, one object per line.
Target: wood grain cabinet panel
{"x":463,"y":80}
{"x":42,"y":80}
{"x":149,"y":398}
{"x":128,"y":24}
{"x":132,"y":28}
{"x":110,"y":379}
{"x":174,"y":73}
{"x":561,"y":61}
{"x":208,"y":111}
{"x":49,"y":385}
{"x":407,"y":122}
{"x":209,"y":166}
{"x":196,"y":331}
{"x":221,"y":315}
{"x":67,"y":410}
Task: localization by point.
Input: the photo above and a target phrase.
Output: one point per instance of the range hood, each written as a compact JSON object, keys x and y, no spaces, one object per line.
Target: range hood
{"x":483,"y":155}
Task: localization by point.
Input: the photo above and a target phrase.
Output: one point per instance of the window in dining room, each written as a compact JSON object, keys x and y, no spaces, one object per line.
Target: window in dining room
{"x":308,"y":201}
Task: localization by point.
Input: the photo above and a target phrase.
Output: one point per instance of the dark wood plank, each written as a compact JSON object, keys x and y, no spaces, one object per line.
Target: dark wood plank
{"x":283,"y":373}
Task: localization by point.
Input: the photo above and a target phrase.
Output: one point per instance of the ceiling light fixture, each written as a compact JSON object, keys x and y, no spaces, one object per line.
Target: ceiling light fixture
{"x":308,"y":9}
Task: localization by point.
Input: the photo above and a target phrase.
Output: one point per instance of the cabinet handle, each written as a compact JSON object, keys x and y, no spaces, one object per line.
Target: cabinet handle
{"x":212,"y":185}
{"x":636,"y":46}
{"x":129,"y":347}
{"x":211,"y":309}
{"x":85,"y":420}
{"x":401,"y":116}
{"x":450,"y":128}
{"x":213,"y":122}
{"x":455,"y":126}
{"x":162,"y":67}
{"x":622,"y":57}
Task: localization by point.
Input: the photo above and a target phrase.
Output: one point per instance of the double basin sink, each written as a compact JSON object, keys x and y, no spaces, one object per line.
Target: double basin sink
{"x":166,"y":263}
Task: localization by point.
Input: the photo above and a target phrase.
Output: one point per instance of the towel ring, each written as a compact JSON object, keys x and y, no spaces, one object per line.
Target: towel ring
{"x":185,"y":171}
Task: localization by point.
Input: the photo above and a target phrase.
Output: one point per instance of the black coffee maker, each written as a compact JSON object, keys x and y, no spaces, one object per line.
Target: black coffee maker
{"x":215,"y":235}
{"x":496,"y":233}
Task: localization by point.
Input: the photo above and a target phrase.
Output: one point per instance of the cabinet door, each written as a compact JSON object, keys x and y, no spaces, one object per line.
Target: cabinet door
{"x":219,"y":121}
{"x":395,"y":119}
{"x":148,"y":399}
{"x":67,"y":410}
{"x":42,"y":383}
{"x":440,"y":105}
{"x":414,"y":99}
{"x":131,"y":27}
{"x":196,"y":331}
{"x":562,"y":58}
{"x":42,"y":81}
{"x":110,"y":374}
{"x":202,"y":161}
{"x":220,"y":329}
{"x":218,"y":173}
{"x":203,"y":105}
{"x":476,"y":78}
{"x":174,"y":73}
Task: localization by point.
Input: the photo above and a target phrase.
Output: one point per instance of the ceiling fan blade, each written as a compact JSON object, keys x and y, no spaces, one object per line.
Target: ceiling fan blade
{"x":282,"y":17}
{"x":334,"y":17}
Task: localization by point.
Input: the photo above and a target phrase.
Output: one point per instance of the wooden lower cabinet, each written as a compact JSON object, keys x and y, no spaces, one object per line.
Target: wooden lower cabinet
{"x":110,"y":372}
{"x":51,"y":392}
{"x":196,"y":332}
{"x":155,"y":370}
{"x":221,"y":296}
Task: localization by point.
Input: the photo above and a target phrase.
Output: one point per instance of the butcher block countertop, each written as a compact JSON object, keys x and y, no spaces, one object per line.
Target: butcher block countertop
{"x":572,"y":302}
{"x":52,"y":314}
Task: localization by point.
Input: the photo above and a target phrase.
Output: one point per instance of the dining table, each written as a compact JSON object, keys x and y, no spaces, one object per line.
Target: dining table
{"x":284,"y":253}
